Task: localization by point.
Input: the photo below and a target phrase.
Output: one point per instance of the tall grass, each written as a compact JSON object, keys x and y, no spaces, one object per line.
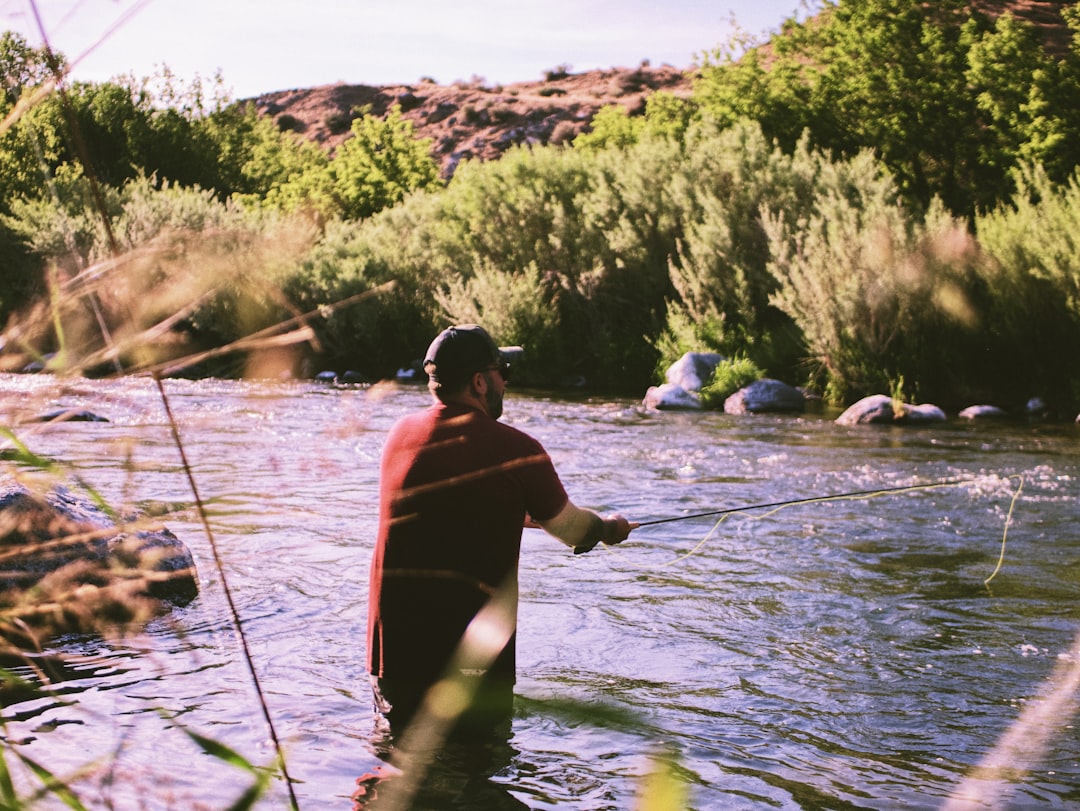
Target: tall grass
{"x":78,"y":593}
{"x":600,"y":261}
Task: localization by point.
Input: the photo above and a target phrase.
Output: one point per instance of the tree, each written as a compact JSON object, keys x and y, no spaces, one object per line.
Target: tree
{"x":665,"y":114}
{"x":253,"y":156}
{"x":892,"y":80}
{"x":772,"y":89}
{"x":949,"y":102}
{"x":24,"y":150}
{"x":381,"y":163}
{"x":23,"y":67}
{"x":1028,"y":99}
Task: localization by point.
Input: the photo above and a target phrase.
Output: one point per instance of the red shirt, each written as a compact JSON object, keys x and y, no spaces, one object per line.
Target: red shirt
{"x":454,"y":490}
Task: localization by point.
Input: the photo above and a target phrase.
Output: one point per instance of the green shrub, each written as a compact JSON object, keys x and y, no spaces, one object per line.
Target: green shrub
{"x":878,"y":294}
{"x":730,"y":376}
{"x":720,"y":267}
{"x":1033,"y":287}
{"x":682,"y":334}
{"x":338,"y":123}
{"x":518,"y":309}
{"x":380,"y":164}
{"x":395,"y":320}
{"x":191,"y":273}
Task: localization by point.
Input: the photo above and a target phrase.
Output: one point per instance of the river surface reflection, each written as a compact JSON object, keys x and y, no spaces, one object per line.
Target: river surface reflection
{"x":844,"y":654}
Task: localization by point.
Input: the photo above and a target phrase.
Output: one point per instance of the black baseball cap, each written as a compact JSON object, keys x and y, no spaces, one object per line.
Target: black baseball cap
{"x":461,"y":350}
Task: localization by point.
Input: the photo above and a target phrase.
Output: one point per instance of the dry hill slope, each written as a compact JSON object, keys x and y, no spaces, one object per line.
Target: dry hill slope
{"x":472,"y":120}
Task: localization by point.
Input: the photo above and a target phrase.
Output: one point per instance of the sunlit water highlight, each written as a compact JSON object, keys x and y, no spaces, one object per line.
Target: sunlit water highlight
{"x":836,"y":655}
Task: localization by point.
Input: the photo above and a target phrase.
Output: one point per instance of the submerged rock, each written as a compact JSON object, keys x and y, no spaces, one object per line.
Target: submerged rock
{"x":68,"y":415}
{"x":67,"y":566}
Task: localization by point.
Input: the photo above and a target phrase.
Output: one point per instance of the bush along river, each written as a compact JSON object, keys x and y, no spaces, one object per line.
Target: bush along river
{"x":834,"y":654}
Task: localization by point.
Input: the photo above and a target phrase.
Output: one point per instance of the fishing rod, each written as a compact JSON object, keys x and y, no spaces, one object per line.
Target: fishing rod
{"x":792,"y":502}
{"x":807,"y":500}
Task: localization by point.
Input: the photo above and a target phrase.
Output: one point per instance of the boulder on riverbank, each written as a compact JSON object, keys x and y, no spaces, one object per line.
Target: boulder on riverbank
{"x":693,"y":370}
{"x":766,"y":396}
{"x":670,"y":397}
{"x":67,"y":566}
{"x":687,"y":376}
{"x":684,"y":380}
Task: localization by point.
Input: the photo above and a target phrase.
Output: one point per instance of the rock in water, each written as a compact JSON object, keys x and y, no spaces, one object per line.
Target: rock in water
{"x":67,"y":566}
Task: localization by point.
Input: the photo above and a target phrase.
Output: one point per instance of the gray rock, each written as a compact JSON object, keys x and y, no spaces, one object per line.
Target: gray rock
{"x":919,"y":414}
{"x":875,"y":409}
{"x":1036,"y":407}
{"x":670,"y":397}
{"x":693,"y":370}
{"x":66,"y":566}
{"x":983,"y":412}
{"x":68,"y":415}
{"x":763,"y":396}
{"x":878,"y":409}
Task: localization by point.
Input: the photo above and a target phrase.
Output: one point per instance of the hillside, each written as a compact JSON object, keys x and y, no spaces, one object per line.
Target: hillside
{"x":472,"y":120}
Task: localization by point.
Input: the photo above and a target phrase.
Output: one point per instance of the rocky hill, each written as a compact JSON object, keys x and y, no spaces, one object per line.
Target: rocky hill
{"x":473,"y":120}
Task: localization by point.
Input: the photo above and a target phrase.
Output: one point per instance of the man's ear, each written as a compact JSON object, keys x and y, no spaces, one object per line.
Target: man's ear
{"x":479,"y":383}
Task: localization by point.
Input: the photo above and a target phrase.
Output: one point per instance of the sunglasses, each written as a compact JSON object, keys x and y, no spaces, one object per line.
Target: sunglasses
{"x":502,"y":367}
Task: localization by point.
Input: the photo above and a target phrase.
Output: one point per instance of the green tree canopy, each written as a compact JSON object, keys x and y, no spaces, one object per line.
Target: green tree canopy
{"x":948,"y":99}
{"x":381,"y":163}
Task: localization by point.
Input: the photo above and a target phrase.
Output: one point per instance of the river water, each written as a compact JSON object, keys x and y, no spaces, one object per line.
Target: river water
{"x":842,"y":654}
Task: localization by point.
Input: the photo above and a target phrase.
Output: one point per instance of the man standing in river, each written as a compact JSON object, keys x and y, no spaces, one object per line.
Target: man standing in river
{"x":456,"y":489}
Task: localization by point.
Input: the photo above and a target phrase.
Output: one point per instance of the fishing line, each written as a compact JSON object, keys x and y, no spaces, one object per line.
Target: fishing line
{"x":852,"y":496}
{"x":1005,"y":533}
{"x":280,"y":753}
{"x":856,"y":495}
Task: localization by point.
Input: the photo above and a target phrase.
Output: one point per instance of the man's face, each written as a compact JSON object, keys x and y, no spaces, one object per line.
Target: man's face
{"x":495,"y":389}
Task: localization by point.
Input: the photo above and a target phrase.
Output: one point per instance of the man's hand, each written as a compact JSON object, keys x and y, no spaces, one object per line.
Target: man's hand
{"x":616,"y":529}
{"x":583,"y":529}
{"x":613,"y":530}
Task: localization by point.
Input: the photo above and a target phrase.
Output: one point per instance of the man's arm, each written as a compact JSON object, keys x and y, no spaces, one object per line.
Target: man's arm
{"x":583,"y":529}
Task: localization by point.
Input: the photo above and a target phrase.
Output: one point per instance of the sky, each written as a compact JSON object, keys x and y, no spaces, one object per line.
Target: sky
{"x":261,"y":46}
